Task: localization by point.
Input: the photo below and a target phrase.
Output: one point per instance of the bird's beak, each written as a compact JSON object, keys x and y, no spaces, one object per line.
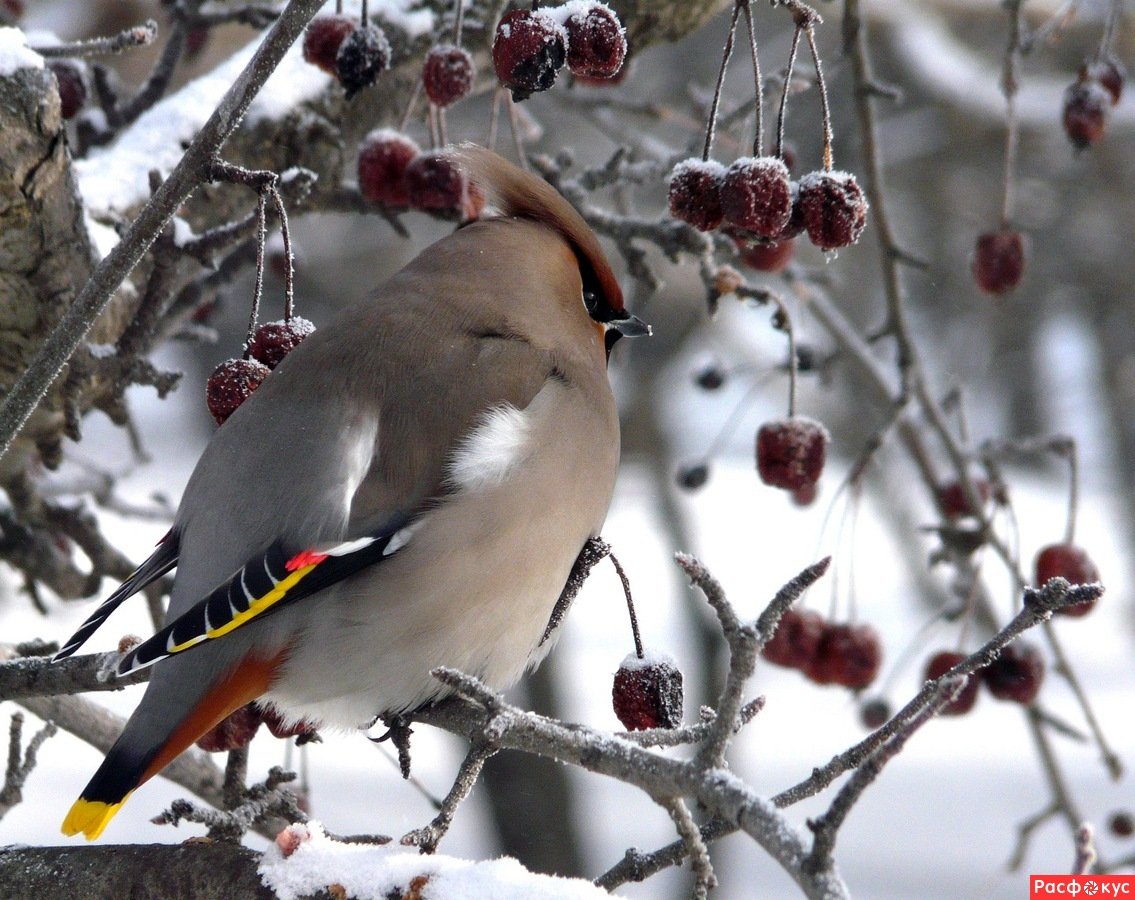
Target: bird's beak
{"x":630,"y":326}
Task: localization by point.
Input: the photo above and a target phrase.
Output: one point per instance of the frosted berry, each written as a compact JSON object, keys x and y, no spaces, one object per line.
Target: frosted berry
{"x":72,"y":86}
{"x":283,"y":728}
{"x":693,"y":477}
{"x":998,"y":261}
{"x":323,"y":38}
{"x":695,"y":193}
{"x":791,"y":452}
{"x":597,"y":42}
{"x":941,"y":663}
{"x":384,"y":157}
{"x":849,"y":655}
{"x":833,"y":209}
{"x":529,"y":48}
{"x":1110,"y":74}
{"x":1071,"y":563}
{"x":952,"y":498}
{"x":447,"y":74}
{"x":273,"y":341}
{"x":875,"y":713}
{"x":231,"y":384}
{"x":757,"y":195}
{"x":1121,"y":823}
{"x":1016,"y":674}
{"x":1086,"y":108}
{"x":434,"y":182}
{"x":232,"y":732}
{"x":710,"y":377}
{"x":796,"y":639}
{"x":647,"y":693}
{"x":362,"y":57}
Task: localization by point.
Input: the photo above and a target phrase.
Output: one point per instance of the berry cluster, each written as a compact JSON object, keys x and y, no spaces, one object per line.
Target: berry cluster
{"x":532,"y":45}
{"x":345,"y":47}
{"x":234,"y":380}
{"x":647,"y":692}
{"x":826,"y":652}
{"x":1089,"y":99}
{"x":394,"y":171}
{"x":239,"y":728}
{"x":1015,"y":676}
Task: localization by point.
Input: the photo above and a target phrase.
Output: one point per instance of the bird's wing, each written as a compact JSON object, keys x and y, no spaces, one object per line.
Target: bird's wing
{"x":265,"y":584}
{"x":160,"y":561}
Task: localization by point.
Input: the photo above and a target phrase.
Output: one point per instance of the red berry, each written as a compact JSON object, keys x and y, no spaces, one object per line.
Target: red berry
{"x":1016,"y":674}
{"x":596,"y":42}
{"x":447,"y":74}
{"x":323,"y":38}
{"x":362,"y":57}
{"x":196,"y":40}
{"x":285,"y":728}
{"x":647,"y":693}
{"x":849,"y":655}
{"x":72,"y":86}
{"x":791,"y":452}
{"x":939,"y":664}
{"x":766,"y":256}
{"x":693,"y":477}
{"x":434,"y":182}
{"x":695,"y":192}
{"x":998,"y":261}
{"x":833,"y":208}
{"x":232,"y":732}
{"x":1121,"y":823}
{"x":796,"y":639}
{"x":805,"y":495}
{"x":230,"y":385}
{"x":952,"y":498}
{"x":875,"y":713}
{"x":757,"y":195}
{"x":529,"y":48}
{"x":1110,"y":74}
{"x":1071,"y":563}
{"x":384,"y":157}
{"x":273,"y":341}
{"x":1086,"y":108}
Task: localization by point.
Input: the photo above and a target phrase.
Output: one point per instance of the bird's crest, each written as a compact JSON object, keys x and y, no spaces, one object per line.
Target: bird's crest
{"x":525,"y":195}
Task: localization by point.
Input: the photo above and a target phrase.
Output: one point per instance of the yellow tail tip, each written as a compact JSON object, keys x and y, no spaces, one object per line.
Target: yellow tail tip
{"x":90,"y":817}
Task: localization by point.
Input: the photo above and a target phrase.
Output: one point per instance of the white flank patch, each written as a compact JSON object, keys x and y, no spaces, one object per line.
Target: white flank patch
{"x":491,"y":450}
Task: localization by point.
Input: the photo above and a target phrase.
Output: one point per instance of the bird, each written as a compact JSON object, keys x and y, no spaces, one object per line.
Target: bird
{"x":409,"y":488}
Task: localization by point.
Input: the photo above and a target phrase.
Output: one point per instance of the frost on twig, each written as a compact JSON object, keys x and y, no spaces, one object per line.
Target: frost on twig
{"x":21,"y":761}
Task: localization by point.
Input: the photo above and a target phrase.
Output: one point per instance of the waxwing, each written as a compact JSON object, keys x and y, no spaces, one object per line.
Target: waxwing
{"x":408,"y":489}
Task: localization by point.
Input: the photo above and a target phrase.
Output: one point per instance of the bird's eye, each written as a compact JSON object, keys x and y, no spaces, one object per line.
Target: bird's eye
{"x":591,"y":301}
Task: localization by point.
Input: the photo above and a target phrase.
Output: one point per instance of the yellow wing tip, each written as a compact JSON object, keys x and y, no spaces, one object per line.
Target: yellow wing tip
{"x":90,"y":817}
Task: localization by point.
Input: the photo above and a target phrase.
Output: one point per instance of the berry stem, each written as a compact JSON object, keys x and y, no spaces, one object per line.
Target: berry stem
{"x":810,"y":34}
{"x":434,"y":129}
{"x":258,"y":288}
{"x":365,"y":14}
{"x":782,"y":113}
{"x":514,"y":126}
{"x":758,"y":137}
{"x":725,"y":54}
{"x":630,"y":604}
{"x":338,"y":7}
{"x":413,"y":101}
{"x":458,"y":22}
{"x":783,"y":321}
{"x":1073,"y":492}
{"x":494,"y":119}
{"x":1010,"y":82}
{"x":1107,"y":39}
{"x":289,"y":261}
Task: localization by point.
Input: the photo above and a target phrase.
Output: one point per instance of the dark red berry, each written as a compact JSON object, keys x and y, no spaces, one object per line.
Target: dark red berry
{"x":273,"y":341}
{"x":766,"y":256}
{"x":434,"y":182}
{"x":196,"y":40}
{"x":1086,"y":108}
{"x":693,"y":477}
{"x":363,"y":56}
{"x":952,"y":498}
{"x":710,"y":377}
{"x":529,"y":48}
{"x":447,"y":74}
{"x":795,"y":640}
{"x":323,"y":38}
{"x":1016,"y":674}
{"x":232,"y":732}
{"x":849,"y":655}
{"x":757,"y":195}
{"x":596,"y":42}
{"x":695,"y":192}
{"x":1109,"y":72}
{"x":875,"y":713}
{"x":939,"y":664}
{"x":1071,"y":563}
{"x":647,"y":693}
{"x":1121,"y":823}
{"x":231,"y":384}
{"x":833,"y":209}
{"x":72,"y":86}
{"x":281,"y":727}
{"x":384,"y":156}
{"x":791,"y":452}
{"x":999,"y":261}
{"x":805,"y":495}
